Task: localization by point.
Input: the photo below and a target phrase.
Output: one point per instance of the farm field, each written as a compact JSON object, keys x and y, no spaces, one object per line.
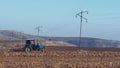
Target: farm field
{"x":62,"y":57}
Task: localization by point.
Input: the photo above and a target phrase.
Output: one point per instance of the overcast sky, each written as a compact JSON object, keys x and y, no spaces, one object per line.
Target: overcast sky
{"x":58,"y":17}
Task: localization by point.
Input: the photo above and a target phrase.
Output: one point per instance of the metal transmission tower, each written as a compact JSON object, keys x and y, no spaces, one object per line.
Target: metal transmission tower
{"x":21,"y":37}
{"x":80,"y":14}
{"x":38,"y":29}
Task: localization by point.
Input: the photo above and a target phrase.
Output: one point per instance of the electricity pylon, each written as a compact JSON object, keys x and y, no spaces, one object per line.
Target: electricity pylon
{"x":80,"y":14}
{"x":38,"y":29}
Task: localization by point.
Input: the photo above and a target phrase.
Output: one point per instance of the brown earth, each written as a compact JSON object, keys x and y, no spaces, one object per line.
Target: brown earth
{"x":62,"y":57}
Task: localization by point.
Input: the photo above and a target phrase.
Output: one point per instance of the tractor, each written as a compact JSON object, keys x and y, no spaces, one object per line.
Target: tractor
{"x":31,"y":45}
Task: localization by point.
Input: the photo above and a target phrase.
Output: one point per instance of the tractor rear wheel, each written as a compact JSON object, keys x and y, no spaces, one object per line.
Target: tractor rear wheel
{"x":28,"y":49}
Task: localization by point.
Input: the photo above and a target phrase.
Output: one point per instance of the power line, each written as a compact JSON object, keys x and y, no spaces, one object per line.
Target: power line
{"x":80,"y":14}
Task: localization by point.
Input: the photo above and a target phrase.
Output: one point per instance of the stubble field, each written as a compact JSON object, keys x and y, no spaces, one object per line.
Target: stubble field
{"x":62,"y":57}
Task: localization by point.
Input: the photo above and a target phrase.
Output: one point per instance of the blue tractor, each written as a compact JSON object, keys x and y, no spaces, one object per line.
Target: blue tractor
{"x":31,"y":45}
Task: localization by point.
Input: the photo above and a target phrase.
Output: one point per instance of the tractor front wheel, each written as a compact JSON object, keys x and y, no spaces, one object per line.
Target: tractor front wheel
{"x":28,"y":49}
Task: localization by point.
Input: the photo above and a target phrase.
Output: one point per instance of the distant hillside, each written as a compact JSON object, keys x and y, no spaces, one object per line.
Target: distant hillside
{"x":14,"y":35}
{"x":86,"y":42}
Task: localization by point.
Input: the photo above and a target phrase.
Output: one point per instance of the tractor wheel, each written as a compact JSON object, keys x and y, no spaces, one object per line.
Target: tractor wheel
{"x":28,"y":49}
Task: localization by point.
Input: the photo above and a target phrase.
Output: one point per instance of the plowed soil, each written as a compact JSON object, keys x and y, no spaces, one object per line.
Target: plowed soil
{"x":62,"y":57}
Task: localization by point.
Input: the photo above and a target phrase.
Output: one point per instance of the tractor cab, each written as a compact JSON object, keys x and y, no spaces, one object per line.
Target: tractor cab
{"x":30,"y":42}
{"x":31,"y":45}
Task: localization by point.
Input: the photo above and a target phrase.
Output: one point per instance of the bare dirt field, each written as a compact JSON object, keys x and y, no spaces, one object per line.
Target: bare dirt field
{"x":62,"y":57}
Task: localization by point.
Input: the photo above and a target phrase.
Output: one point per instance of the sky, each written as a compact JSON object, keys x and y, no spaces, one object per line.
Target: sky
{"x":57,"y":17}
